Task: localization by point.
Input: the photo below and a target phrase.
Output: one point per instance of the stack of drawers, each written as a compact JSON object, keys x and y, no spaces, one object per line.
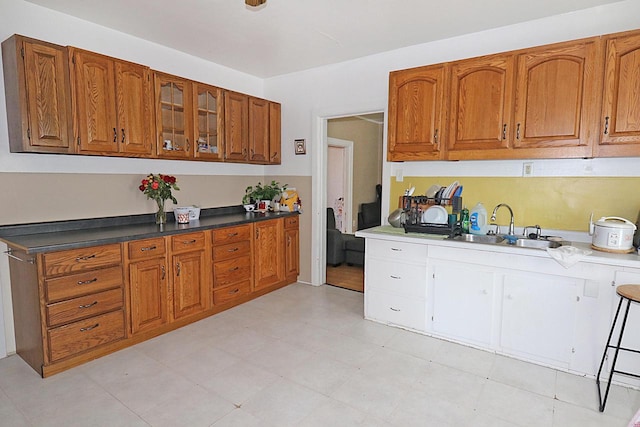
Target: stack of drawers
{"x":396,"y":283}
{"x":83,"y":300}
{"x":232,"y":263}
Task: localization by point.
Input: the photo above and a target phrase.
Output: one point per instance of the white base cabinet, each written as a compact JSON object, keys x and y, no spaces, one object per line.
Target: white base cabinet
{"x":539,"y":316}
{"x":521,"y":305}
{"x":395,"y":283}
{"x":463,"y":302}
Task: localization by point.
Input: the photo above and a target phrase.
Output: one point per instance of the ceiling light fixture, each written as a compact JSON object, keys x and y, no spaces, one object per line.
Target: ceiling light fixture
{"x":254,"y":3}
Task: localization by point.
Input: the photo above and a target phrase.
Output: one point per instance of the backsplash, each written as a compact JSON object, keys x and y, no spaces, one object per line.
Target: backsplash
{"x":560,"y":203}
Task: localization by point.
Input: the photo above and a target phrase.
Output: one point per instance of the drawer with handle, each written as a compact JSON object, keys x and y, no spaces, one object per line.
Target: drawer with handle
{"x":291,"y":222}
{"x":145,"y":249}
{"x":83,"y":335}
{"x":395,"y":310}
{"x":75,"y":285}
{"x":231,"y":271}
{"x":226,"y":235}
{"x":397,"y":251}
{"x":232,"y":250}
{"x":75,"y":309}
{"x":230,"y":293}
{"x":187,"y":242}
{"x":76,"y":260}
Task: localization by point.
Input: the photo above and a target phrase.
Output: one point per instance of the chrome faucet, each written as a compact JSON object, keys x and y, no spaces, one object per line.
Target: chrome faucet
{"x":511,"y":226}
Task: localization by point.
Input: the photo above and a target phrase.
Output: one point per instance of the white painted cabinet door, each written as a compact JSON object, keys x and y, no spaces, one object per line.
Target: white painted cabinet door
{"x":463,"y":302}
{"x":539,"y":316}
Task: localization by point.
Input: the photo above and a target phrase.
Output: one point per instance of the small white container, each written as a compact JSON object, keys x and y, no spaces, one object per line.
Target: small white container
{"x":182,"y":215}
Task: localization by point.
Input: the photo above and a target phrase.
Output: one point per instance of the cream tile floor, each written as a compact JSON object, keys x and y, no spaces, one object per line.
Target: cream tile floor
{"x":303,"y":356}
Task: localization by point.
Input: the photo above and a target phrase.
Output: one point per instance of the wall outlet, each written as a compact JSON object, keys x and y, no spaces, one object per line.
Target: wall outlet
{"x":527,"y":169}
{"x":399,"y":175}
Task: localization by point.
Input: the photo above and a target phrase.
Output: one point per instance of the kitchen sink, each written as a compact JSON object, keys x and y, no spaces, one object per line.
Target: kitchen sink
{"x":500,"y":240}
{"x":537,"y":244}
{"x":479,"y":238}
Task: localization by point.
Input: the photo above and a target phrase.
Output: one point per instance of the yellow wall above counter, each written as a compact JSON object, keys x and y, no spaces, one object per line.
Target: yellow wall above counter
{"x":560,"y":203}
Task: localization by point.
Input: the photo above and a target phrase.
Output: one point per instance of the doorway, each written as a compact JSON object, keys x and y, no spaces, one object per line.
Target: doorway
{"x":354,"y":147}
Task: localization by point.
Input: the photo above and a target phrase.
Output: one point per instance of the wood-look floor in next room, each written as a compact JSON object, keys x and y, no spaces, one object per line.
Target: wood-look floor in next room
{"x":346,"y":276}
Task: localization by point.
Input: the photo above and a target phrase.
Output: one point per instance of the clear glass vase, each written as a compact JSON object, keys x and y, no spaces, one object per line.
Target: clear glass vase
{"x":161,"y":214}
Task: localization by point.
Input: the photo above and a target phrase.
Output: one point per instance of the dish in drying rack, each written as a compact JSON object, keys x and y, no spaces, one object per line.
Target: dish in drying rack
{"x":435,"y":215}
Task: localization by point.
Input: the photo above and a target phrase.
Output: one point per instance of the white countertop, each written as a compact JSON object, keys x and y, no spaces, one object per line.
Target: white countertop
{"x":580,"y":240}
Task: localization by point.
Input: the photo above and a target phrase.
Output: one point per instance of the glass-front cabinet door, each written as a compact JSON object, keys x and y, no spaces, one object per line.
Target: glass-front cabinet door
{"x":209,"y":122}
{"x":174,"y":115}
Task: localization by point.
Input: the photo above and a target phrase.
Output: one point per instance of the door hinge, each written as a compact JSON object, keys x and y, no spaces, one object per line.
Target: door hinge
{"x":78,"y":141}
{"x":433,"y":275}
{"x":613,"y":283}
{"x":577,"y":299}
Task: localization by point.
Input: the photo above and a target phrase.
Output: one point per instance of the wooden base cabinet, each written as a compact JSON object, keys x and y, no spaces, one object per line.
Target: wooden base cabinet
{"x":148,"y":284}
{"x":269,"y":253}
{"x":69,"y":306}
{"x":292,"y":248}
{"x":75,"y":305}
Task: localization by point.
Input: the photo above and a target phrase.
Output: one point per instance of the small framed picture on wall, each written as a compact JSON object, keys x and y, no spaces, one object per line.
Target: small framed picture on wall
{"x":300,"y":146}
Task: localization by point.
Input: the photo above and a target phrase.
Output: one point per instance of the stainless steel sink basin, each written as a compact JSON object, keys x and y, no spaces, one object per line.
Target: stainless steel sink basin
{"x":479,"y":238}
{"x":537,"y":244}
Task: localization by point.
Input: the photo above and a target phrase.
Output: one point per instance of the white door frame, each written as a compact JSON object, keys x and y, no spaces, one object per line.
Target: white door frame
{"x":319,"y":180}
{"x":348,"y":178}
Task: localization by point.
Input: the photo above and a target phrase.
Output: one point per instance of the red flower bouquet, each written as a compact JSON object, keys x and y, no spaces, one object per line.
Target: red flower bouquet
{"x":158,"y":187}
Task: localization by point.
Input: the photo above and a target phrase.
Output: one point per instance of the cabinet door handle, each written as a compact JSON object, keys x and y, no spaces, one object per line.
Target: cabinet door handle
{"x":394,"y":309}
{"x":235,"y":291}
{"x":504,"y":131}
{"x":86,"y":282}
{"x":88,"y":305}
{"x":518,"y":131}
{"x":85,"y":258}
{"x":149,"y":248}
{"x":164,"y":272}
{"x":115,"y":135}
{"x":188,"y":145}
{"x":396,"y":249}
{"x":178,"y":268}
{"x":234,"y":268}
{"x":189,"y":242}
{"x":288,"y":240}
{"x":232,"y":234}
{"x":606,"y":125}
{"x":88,"y":328}
{"x":435,"y":136}
{"x":395,"y":277}
{"x":123,"y":137}
{"x":233,"y":250}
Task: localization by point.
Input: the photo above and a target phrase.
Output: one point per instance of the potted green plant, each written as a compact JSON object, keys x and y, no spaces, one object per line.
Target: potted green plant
{"x":259,"y":192}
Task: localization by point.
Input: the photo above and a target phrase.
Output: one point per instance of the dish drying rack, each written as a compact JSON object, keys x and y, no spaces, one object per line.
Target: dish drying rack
{"x":414,"y":206}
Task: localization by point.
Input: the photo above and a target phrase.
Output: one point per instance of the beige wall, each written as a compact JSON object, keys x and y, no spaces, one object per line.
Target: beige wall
{"x":367,"y":156}
{"x":31,"y":197}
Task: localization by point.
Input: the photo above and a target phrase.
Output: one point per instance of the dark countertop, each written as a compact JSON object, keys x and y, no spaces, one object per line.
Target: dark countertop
{"x":74,"y":234}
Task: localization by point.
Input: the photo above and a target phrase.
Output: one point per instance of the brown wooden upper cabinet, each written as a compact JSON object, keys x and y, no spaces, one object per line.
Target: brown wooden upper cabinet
{"x":417,"y":113}
{"x":174,"y":117}
{"x":620,"y":117}
{"x":252,"y":129}
{"x":236,"y":127}
{"x":258,"y":130}
{"x":538,"y":103}
{"x":209,"y":122}
{"x":112,"y":105}
{"x":556,"y":100}
{"x":275,"y":132}
{"x":37,"y":91}
{"x":481,"y":95}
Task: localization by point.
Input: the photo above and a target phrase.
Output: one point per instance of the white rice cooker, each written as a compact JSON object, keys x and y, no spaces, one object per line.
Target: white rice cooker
{"x":612,"y":233}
